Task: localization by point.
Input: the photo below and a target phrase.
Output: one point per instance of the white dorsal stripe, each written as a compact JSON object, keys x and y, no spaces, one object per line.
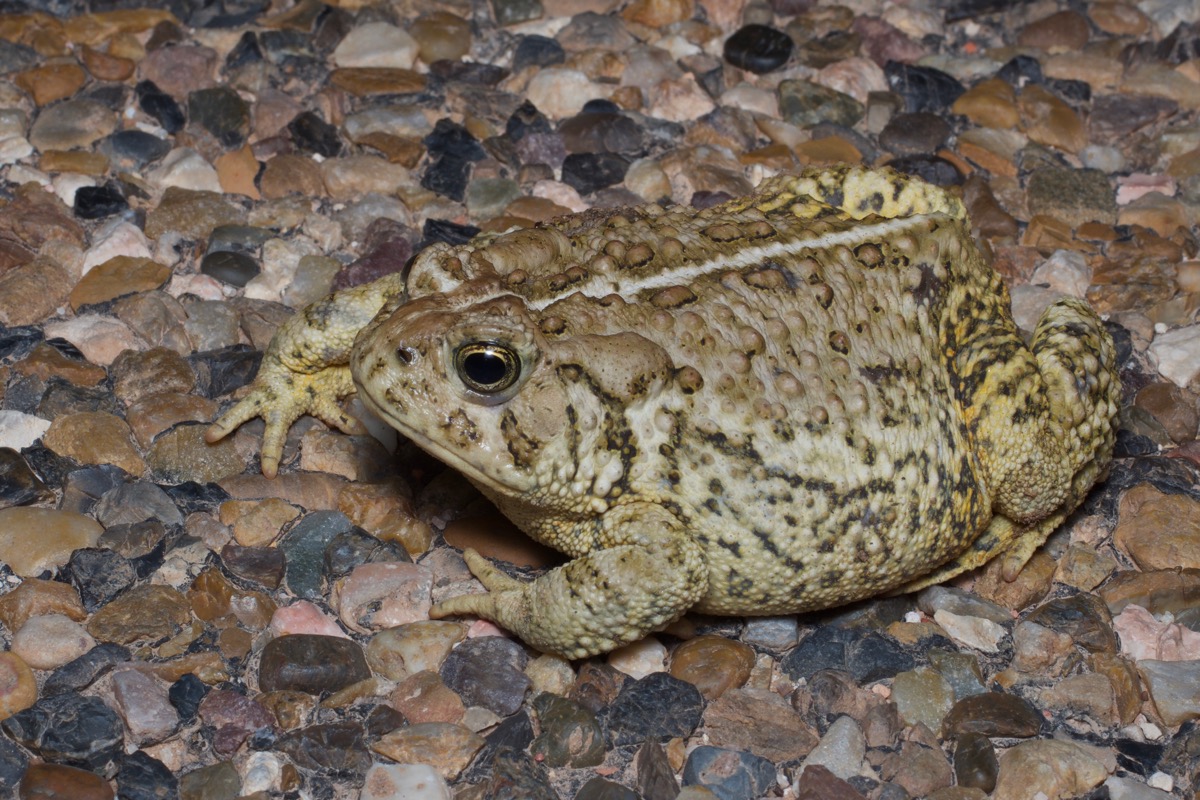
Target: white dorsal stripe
{"x":602,"y":285}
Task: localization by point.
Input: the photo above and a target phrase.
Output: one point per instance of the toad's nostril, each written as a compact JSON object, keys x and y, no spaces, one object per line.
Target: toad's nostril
{"x":407,"y":355}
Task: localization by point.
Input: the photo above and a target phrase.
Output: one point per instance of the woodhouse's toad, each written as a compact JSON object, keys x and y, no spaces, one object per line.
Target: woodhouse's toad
{"x":785,"y":402}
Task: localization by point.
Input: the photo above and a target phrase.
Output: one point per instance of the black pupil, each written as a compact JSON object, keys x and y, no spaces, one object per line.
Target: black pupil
{"x":485,"y":367}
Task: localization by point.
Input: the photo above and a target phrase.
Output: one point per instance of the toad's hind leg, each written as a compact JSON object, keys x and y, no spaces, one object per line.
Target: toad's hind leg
{"x":644,"y":572}
{"x":1042,"y":423}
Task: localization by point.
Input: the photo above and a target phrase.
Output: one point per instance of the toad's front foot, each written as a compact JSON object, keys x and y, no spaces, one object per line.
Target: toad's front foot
{"x":281,"y":396}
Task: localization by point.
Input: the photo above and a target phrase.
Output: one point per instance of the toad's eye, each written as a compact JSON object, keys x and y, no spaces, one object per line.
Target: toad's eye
{"x":487,"y":367}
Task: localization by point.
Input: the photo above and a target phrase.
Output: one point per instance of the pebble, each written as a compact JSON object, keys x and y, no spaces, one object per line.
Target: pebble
{"x":841,"y":750}
{"x":1050,"y":766}
{"x":1177,"y":354}
{"x":1172,"y":687}
{"x":640,"y":659}
{"x":311,"y":663}
{"x":376,"y":44}
{"x":759,"y":721}
{"x":448,"y":747}
{"x":713,"y":664}
{"x":55,"y":780}
{"x":34,"y":540}
{"x":404,"y":782}
{"x":145,"y":612}
{"x":570,"y":734}
{"x":993,"y":714}
{"x":51,"y":640}
{"x":142,"y":702}
{"x":488,"y":671}
{"x":18,"y":686}
{"x":922,"y":696}
{"x":376,"y":596}
{"x":728,"y":774}
{"x":975,"y":762}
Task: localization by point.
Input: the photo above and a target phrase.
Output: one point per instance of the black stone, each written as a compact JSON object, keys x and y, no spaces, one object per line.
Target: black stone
{"x":971,"y":9}
{"x":488,"y":671}
{"x":759,"y":49}
{"x":143,"y":543}
{"x":50,"y":466}
{"x":1072,"y":92}
{"x":537,"y":51}
{"x":161,"y":106}
{"x":19,"y":485}
{"x":468,"y":72}
{"x":98,"y":202}
{"x":223,"y":113}
{"x":185,"y":695}
{"x":1021,"y":70}
{"x":1138,"y":757}
{"x":600,"y":106}
{"x":570,"y":734}
{"x":931,"y":169}
{"x":443,"y":230}
{"x":526,"y":120}
{"x":1181,"y":755}
{"x":63,"y":397}
{"x":16,"y":57}
{"x":351,"y":548}
{"x":83,"y":488}
{"x":451,"y":139}
{"x":873,"y":657}
{"x":1134,"y":445}
{"x":658,"y":706}
{"x":912,"y":134}
{"x":512,"y":735}
{"x":99,"y":575}
{"x":83,"y":671}
{"x":13,"y":764}
{"x":824,"y":648}
{"x":229,"y":266}
{"x":589,"y":172}
{"x":143,"y":777}
{"x":262,"y":565}
{"x":1180,"y":45}
{"x":18,"y":342}
{"x":133,"y":148}
{"x":923,"y":88}
{"x":314,"y":135}
{"x":337,"y":748}
{"x":310,"y":663}
{"x":448,"y":176}
{"x":516,"y":775}
{"x":247,"y":51}
{"x":304,"y":547}
{"x":70,"y":729}
{"x":293,"y":48}
{"x":219,"y":372}
{"x":191,"y":497}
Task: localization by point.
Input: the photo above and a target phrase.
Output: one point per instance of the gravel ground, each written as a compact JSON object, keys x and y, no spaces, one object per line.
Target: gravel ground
{"x":175,"y":182}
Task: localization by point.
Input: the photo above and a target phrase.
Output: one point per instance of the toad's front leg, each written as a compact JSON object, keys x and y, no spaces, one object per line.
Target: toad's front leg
{"x":646,"y":573}
{"x":304,"y":370}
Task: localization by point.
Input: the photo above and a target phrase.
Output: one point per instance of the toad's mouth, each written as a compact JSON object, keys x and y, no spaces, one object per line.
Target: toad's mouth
{"x":450,"y":456}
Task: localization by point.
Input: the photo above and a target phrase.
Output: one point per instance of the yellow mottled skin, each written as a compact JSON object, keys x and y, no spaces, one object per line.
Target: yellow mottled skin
{"x":786,"y":402}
